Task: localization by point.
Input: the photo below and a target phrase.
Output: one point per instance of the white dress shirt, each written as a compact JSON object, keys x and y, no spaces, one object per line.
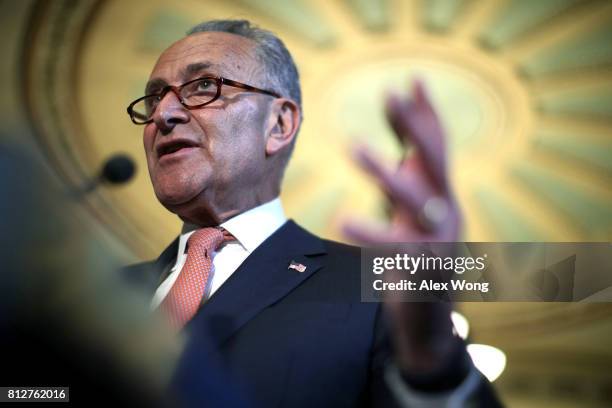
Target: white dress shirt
{"x":250,"y":229}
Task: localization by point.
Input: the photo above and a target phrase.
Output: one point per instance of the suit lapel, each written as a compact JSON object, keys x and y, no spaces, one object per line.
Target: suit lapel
{"x":149,"y":275}
{"x":166,"y":260}
{"x":262,"y":279}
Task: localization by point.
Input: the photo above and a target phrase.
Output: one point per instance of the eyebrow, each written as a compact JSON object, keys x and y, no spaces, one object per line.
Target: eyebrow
{"x":196,"y":67}
{"x":188,"y":71}
{"x":153,"y":84}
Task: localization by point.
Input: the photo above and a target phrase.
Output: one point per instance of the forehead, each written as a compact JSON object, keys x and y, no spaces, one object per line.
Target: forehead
{"x":225,"y":53}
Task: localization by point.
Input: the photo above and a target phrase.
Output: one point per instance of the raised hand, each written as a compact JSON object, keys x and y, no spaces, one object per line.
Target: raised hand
{"x":423,"y":210}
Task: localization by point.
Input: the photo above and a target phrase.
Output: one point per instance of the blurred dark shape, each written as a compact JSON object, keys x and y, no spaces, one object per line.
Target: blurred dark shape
{"x":67,"y":316}
{"x":118,"y":169}
{"x":65,"y":319}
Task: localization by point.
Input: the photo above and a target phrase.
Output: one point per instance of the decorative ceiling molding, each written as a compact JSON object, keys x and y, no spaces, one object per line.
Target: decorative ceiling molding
{"x":52,"y":51}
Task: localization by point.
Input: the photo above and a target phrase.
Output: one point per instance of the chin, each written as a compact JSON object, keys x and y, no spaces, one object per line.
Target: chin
{"x":183,"y":202}
{"x":194,"y":212}
{"x":174,"y":197}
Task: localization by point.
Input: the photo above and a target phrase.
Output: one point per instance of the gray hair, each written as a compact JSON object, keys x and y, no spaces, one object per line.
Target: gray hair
{"x":280,"y":69}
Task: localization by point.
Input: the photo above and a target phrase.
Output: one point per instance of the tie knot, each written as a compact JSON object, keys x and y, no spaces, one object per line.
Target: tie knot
{"x":209,"y":239}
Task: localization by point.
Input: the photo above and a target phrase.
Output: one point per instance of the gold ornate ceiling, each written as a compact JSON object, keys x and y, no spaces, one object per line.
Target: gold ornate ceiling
{"x":524,"y":89}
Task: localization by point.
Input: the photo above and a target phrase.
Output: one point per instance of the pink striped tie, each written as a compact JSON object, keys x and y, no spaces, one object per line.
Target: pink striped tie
{"x":185,"y":297}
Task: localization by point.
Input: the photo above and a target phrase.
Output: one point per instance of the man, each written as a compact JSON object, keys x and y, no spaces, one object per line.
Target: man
{"x":276,"y":306}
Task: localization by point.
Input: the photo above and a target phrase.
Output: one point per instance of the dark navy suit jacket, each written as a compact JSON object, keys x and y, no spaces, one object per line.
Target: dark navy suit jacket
{"x":283,"y":337}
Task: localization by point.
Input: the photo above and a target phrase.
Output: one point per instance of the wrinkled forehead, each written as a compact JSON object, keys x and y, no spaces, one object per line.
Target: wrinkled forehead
{"x":216,"y":53}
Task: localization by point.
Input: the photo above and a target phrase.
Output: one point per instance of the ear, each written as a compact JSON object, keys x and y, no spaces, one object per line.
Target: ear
{"x":283,"y":124}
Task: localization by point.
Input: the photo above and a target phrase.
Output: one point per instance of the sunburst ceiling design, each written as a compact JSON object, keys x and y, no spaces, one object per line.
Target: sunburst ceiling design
{"x":521,"y":95}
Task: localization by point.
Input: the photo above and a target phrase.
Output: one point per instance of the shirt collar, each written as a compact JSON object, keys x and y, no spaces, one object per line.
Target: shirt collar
{"x":250,"y":228}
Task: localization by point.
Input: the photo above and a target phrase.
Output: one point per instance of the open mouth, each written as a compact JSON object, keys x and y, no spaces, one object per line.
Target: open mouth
{"x":173,"y":147}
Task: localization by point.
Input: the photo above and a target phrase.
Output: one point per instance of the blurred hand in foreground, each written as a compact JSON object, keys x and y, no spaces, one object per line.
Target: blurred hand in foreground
{"x":423,"y":209}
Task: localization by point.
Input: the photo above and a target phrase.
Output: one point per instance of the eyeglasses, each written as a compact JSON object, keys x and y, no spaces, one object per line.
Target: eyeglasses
{"x":192,"y":95}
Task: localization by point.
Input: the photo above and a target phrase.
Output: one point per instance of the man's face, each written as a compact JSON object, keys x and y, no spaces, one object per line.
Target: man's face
{"x":221,"y":146}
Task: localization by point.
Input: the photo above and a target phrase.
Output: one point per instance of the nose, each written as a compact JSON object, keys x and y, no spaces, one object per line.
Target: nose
{"x":169,"y":113}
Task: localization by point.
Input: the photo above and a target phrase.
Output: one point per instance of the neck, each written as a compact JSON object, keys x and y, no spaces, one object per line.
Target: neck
{"x":204,"y":212}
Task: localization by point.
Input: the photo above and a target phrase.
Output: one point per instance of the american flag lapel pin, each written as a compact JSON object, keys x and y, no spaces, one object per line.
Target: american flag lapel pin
{"x":297,"y":266}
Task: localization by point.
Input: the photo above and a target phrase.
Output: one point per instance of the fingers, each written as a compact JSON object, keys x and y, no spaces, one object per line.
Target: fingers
{"x":421,"y":198}
{"x":415,"y":120}
{"x":418,"y":207}
{"x":408,"y":190}
{"x":420,"y":96}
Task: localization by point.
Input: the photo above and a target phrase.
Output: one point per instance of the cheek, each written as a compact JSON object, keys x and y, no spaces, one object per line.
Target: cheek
{"x":247,"y":132}
{"x":234,"y":141}
{"x":238,"y":151}
{"x":148,"y":138}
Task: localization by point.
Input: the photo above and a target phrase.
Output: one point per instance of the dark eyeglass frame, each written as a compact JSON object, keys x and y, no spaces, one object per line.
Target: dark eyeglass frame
{"x":220,"y":81}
